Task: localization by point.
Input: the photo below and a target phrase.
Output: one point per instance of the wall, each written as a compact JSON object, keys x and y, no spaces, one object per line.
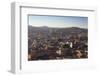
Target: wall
{"x":5,"y":33}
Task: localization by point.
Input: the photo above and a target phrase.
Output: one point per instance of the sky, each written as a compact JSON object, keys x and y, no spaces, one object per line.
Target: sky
{"x":58,"y":21}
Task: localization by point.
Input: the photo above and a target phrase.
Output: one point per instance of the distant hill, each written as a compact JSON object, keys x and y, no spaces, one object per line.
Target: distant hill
{"x":45,"y":29}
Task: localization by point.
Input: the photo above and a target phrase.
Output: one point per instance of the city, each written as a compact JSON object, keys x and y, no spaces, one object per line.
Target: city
{"x":49,"y":43}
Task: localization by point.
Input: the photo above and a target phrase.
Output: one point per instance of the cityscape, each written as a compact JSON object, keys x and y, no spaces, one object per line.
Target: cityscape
{"x":57,"y":37}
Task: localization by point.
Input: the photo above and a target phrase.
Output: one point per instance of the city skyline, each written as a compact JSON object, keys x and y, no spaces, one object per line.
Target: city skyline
{"x":57,"y":21}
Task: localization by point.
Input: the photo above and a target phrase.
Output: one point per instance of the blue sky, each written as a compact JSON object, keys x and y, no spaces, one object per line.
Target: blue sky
{"x":58,"y":21}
